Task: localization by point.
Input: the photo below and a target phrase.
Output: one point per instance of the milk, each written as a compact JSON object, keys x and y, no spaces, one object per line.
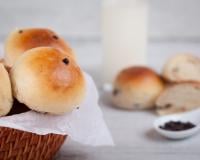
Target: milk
{"x":124,"y":35}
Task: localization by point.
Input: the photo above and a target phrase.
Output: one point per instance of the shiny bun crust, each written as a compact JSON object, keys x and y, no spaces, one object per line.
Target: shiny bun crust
{"x":6,"y":99}
{"x":47,"y":80}
{"x":22,"y":40}
{"x":136,"y":88}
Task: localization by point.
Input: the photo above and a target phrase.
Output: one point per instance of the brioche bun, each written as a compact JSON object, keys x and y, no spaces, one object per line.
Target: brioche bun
{"x":47,"y":80}
{"x":136,"y":88}
{"x":22,"y":40}
{"x":182,"y":68}
{"x":179,"y":97}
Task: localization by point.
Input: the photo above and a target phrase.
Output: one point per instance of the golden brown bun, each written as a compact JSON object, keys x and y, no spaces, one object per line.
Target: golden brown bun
{"x":47,"y":80}
{"x":137,"y":88}
{"x":22,"y":40}
{"x":6,"y":99}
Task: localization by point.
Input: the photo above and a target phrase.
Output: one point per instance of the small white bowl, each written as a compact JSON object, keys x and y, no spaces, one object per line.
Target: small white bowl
{"x":192,"y":116}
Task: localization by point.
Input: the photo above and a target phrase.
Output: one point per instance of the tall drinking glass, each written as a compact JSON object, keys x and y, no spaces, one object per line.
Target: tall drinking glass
{"x":124,"y":35}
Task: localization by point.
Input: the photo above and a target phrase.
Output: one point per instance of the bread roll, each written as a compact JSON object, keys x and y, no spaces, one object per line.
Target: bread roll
{"x":22,"y":40}
{"x":179,"y":98}
{"x":6,"y":99}
{"x":46,"y":80}
{"x":136,"y":88}
{"x":182,"y":68}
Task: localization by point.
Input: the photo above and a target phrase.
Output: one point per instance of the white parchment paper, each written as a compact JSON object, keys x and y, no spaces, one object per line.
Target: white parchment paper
{"x":84,"y":125}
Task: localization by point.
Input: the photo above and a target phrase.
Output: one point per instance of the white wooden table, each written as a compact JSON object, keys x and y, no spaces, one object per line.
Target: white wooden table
{"x":132,"y":131}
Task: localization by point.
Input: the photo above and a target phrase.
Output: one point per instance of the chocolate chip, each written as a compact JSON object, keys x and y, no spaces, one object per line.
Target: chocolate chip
{"x":77,"y":107}
{"x":66,"y":61}
{"x":55,"y":37}
{"x":115,"y":92}
{"x":20,"y":31}
{"x":177,"y":126}
{"x":168,"y":106}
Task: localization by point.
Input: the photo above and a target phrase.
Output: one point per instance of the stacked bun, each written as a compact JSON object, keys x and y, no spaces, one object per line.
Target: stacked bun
{"x":47,"y":80}
{"x":182,"y":72}
{"x":22,"y":40}
{"x":179,"y":97}
{"x":43,"y":71}
{"x":178,"y":91}
{"x":182,"y":67}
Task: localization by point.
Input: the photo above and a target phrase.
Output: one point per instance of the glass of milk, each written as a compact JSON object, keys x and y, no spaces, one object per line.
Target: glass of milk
{"x":124,"y":35}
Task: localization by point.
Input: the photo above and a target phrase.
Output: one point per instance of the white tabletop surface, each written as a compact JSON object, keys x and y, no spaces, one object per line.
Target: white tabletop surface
{"x":132,"y":131}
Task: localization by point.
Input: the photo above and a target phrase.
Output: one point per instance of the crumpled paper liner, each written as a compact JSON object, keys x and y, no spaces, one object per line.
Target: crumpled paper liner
{"x":85,"y":125}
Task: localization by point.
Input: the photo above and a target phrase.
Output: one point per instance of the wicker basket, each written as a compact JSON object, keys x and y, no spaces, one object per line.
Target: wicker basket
{"x":21,"y":145}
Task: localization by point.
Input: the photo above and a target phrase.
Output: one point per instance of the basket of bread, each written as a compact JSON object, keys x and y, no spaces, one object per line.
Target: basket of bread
{"x":176,"y":90}
{"x":43,"y":96}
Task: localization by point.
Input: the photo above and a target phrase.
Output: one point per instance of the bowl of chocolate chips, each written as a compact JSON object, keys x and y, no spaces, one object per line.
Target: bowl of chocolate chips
{"x":178,"y":126}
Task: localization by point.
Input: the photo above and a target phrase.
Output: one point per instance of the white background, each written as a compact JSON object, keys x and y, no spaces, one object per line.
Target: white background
{"x":174,"y":27}
{"x":168,"y":19}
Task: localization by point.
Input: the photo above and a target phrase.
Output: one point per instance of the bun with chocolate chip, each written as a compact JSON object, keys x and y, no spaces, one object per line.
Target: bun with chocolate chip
{"x":136,"y":88}
{"x":48,"y":80}
{"x":22,"y":40}
{"x":178,"y":98}
{"x":182,"y":68}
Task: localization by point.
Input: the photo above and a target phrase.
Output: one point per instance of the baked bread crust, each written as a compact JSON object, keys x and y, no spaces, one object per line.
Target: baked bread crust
{"x":136,"y":88}
{"x":21,"y":40}
{"x":48,"y":80}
